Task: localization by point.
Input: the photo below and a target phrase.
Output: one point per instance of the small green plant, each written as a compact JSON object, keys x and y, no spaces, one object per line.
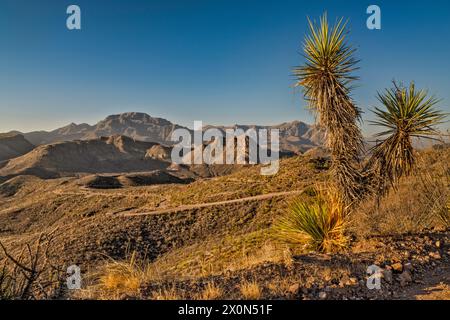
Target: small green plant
{"x":318,"y":226}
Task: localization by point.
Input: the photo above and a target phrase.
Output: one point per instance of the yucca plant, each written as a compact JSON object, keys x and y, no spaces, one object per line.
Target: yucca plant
{"x":326,"y":78}
{"x":318,"y":226}
{"x":408,"y":113}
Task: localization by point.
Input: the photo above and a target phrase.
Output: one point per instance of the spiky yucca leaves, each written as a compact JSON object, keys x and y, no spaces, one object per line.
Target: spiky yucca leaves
{"x":319,"y":226}
{"x":326,"y":79}
{"x":408,"y":113}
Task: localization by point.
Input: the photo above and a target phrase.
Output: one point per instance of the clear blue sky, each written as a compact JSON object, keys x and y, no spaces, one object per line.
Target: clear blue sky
{"x":220,"y":61}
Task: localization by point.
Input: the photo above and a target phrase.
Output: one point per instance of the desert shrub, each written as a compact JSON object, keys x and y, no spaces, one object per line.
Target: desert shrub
{"x":30,"y":275}
{"x":317,"y":226}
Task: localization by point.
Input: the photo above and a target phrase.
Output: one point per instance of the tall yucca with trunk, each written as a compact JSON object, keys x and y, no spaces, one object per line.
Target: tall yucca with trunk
{"x":326,"y":79}
{"x":408,"y":113}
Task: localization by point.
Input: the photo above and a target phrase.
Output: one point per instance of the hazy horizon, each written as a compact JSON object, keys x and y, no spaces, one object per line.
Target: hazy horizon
{"x":93,"y":122}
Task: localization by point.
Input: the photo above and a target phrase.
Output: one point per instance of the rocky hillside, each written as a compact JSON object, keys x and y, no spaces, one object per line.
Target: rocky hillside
{"x":108,"y":154}
{"x":13,"y":145}
{"x":295,"y":136}
{"x":219,"y":232}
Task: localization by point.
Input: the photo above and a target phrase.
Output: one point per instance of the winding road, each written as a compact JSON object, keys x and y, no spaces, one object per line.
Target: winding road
{"x":208,"y":204}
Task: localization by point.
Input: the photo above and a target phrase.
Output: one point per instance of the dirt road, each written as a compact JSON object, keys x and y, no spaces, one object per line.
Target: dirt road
{"x":210,"y":204}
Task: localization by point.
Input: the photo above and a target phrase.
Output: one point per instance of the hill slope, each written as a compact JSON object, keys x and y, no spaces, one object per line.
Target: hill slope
{"x":107,"y":154}
{"x":13,"y":145}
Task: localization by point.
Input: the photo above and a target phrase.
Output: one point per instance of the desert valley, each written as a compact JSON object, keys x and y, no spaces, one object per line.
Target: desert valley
{"x":108,"y":199}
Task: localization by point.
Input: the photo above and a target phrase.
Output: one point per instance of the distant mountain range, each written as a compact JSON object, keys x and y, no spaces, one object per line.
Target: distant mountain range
{"x":127,"y":143}
{"x":295,"y":136}
{"x":123,"y":143}
{"x":139,"y":126}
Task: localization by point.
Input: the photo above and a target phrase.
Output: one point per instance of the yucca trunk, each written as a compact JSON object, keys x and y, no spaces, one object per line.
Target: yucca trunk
{"x":326,"y":79}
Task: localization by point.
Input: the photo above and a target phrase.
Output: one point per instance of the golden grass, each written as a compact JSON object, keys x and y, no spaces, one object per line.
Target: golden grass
{"x":116,"y":279}
{"x":418,"y":204}
{"x":120,"y":278}
{"x":213,"y":256}
{"x":211,"y":292}
{"x":280,"y":287}
{"x":250,"y":290}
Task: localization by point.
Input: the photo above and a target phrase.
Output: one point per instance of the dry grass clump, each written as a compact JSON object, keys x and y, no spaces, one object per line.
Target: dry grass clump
{"x":436,"y":194}
{"x":211,"y":292}
{"x":446,"y":217}
{"x":215,"y":255}
{"x":318,"y":226}
{"x":116,"y":279}
{"x":269,"y":252}
{"x":121,"y":278}
{"x":442,"y":211}
{"x":250,"y":290}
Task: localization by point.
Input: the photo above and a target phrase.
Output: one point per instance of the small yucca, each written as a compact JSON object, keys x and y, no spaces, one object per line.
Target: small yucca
{"x":319,"y":225}
{"x":407,"y":113}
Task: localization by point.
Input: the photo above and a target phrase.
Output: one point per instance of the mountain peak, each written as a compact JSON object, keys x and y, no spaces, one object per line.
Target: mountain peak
{"x":136,"y":117}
